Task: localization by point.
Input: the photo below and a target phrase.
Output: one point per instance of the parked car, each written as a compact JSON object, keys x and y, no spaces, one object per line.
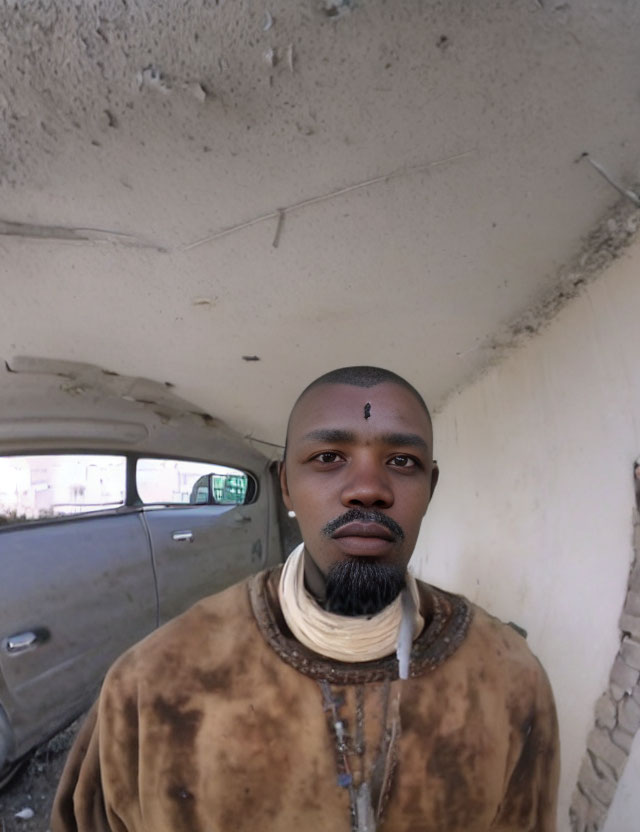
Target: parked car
{"x":120,"y":506}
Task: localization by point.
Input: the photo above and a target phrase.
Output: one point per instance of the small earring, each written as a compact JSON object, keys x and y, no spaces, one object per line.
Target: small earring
{"x":291,"y":513}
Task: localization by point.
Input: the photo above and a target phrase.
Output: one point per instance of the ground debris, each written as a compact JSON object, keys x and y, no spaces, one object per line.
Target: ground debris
{"x":25,"y":814}
{"x":25,"y":804}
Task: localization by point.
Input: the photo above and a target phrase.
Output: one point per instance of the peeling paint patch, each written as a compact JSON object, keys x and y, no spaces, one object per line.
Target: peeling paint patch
{"x":74,"y":389}
{"x":271,"y":57}
{"x":198,"y":92}
{"x":268,"y":21}
{"x":606,"y":243}
{"x":152,"y":78}
{"x":206,"y":302}
{"x":601,"y":248}
{"x":112,"y":121}
{"x":279,"y":54}
{"x":336,"y":9}
{"x":209,"y":420}
{"x":289,"y":56}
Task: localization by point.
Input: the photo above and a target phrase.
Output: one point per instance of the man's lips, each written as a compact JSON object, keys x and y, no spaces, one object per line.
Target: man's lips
{"x":359,"y":529}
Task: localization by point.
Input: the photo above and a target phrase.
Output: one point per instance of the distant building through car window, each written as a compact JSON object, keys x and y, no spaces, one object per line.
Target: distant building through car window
{"x":56,"y":485}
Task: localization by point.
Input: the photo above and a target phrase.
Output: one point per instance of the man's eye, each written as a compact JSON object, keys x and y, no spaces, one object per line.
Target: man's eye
{"x":327,"y":457}
{"x":402,"y":461}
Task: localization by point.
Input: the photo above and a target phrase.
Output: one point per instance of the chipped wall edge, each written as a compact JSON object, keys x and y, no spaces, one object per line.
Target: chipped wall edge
{"x":617,"y":715}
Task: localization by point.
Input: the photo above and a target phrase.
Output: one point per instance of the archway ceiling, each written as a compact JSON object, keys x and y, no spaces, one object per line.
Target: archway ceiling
{"x":132,"y":130}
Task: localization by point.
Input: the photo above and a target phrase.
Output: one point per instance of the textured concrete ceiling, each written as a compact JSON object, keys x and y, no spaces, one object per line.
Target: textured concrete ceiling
{"x":133,"y":130}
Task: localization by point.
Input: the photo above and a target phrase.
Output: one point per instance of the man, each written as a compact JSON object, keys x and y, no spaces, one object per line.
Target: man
{"x":336,"y":693}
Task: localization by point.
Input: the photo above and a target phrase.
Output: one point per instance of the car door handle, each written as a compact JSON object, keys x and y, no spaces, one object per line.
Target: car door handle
{"x":21,"y":641}
{"x":185,"y":536}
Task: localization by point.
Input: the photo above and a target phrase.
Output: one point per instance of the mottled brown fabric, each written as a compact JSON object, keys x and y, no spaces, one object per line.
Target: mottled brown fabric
{"x":208,"y":726}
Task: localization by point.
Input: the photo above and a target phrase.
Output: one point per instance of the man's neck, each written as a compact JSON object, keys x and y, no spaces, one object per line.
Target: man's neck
{"x":314,"y":579}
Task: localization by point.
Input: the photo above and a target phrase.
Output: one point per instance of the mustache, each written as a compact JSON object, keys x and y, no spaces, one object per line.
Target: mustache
{"x":363,"y":516}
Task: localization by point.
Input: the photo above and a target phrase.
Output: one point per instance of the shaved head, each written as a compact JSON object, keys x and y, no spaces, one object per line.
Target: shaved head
{"x":358,"y":376}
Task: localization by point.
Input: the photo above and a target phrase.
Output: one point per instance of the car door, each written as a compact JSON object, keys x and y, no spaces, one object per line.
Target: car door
{"x":77,"y":589}
{"x":208,"y":525}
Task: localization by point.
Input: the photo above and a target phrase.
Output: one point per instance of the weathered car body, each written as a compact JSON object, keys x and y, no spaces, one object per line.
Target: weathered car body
{"x":78,"y":589}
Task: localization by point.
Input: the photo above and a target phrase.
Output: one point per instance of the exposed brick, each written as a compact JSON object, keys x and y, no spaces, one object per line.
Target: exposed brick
{"x":579,"y":811}
{"x":630,"y":653}
{"x":629,"y":714}
{"x":617,"y":692}
{"x":596,"y":816}
{"x":595,"y":786}
{"x":622,"y":739}
{"x":630,"y":624}
{"x":606,"y":711}
{"x":623,"y":675}
{"x":603,"y":769}
{"x":617,"y":715}
{"x":603,"y":746}
{"x":632,"y":603}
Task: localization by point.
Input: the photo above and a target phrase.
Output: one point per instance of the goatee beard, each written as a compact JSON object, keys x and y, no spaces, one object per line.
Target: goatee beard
{"x":362,"y":586}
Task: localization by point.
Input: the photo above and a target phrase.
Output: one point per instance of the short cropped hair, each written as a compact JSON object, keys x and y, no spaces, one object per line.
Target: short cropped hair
{"x":359,"y":376}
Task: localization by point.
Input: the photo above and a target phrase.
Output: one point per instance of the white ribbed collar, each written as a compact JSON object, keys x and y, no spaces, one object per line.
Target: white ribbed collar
{"x":342,"y":637}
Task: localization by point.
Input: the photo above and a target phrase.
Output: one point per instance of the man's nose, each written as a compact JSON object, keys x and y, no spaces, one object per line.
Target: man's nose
{"x":367,"y":484}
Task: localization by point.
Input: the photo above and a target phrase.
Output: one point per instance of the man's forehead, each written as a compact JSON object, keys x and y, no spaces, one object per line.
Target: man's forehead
{"x":343,"y":405}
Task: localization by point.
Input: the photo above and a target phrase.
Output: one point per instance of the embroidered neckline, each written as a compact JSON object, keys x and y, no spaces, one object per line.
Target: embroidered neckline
{"x":447,"y":619}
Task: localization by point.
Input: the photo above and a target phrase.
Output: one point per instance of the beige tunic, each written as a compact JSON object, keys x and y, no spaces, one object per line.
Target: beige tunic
{"x":221,"y":722}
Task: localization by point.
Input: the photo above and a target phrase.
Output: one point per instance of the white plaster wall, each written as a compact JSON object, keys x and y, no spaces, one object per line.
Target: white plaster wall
{"x":532,"y":517}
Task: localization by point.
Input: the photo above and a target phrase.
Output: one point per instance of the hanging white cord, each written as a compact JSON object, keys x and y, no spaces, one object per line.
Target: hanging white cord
{"x":405,"y":634}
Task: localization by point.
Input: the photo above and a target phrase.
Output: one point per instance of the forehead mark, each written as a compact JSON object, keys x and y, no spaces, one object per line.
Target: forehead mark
{"x":367,"y":410}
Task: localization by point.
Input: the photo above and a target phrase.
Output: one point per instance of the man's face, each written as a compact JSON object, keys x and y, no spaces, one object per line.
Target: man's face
{"x":359,"y":486}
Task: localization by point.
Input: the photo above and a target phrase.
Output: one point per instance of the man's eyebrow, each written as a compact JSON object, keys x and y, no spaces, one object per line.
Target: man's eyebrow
{"x":330,"y":435}
{"x":412,"y":440}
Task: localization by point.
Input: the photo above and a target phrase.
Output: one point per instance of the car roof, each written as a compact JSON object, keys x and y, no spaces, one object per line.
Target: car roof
{"x":51,"y":405}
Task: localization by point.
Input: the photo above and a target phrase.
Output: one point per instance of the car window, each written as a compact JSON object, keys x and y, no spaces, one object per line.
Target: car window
{"x":38,"y":487}
{"x":184,"y":482}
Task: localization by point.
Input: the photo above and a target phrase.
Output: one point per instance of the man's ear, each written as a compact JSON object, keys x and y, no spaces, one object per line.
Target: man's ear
{"x":435,"y":476}
{"x":282,"y":474}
